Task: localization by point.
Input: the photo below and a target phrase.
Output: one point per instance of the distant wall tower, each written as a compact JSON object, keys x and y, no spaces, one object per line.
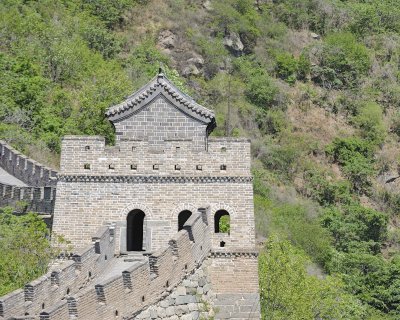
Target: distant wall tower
{"x":163,"y":168}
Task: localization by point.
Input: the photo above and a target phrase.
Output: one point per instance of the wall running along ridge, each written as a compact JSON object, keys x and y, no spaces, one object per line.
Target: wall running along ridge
{"x":36,"y":199}
{"x":25,"y":169}
{"x":68,"y":291}
{"x":39,"y":194}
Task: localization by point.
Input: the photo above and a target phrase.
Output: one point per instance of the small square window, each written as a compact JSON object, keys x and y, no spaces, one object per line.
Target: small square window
{"x":156,"y":167}
{"x":199,"y":167}
{"x":87,"y":148}
{"x":223,"y":149}
{"x":133,"y":166}
{"x":133,"y":148}
{"x":223,"y":167}
{"x":177,"y":149}
{"x":177,"y":167}
{"x":111,"y":166}
{"x":86,"y":166}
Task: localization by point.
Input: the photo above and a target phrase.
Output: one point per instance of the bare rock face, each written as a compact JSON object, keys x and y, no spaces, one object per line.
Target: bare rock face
{"x":194,"y":66}
{"x":315,"y":36}
{"x":207,"y":5}
{"x":233,"y":42}
{"x":167,"y":40}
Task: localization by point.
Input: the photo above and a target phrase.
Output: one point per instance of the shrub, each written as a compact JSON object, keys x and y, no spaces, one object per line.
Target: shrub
{"x":356,"y":228}
{"x":343,"y":150}
{"x":286,"y":66}
{"x":326,"y":192}
{"x":260,"y":89}
{"x":369,"y":120}
{"x":288,"y":292}
{"x":356,"y":157}
{"x":342,"y":61}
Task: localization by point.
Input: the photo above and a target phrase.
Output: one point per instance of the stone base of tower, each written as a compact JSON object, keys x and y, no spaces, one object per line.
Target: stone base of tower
{"x":234,"y":279}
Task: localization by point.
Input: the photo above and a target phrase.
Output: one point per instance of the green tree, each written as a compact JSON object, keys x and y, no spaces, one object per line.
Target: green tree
{"x":25,"y":249}
{"x":289,"y":292}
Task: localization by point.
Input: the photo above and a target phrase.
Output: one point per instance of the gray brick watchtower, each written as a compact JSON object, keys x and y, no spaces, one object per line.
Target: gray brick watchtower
{"x":163,"y":168}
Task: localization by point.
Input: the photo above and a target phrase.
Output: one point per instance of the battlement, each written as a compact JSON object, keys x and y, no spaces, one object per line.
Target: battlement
{"x":25,"y":169}
{"x":37,"y":199}
{"x":63,"y":281}
{"x":90,"y":156}
{"x":72,"y":290}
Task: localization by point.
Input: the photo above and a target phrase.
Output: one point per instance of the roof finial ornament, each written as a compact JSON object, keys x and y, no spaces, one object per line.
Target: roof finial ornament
{"x":160,"y":74}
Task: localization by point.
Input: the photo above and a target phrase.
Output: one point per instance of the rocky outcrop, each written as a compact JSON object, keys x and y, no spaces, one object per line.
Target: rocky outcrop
{"x":233,"y":42}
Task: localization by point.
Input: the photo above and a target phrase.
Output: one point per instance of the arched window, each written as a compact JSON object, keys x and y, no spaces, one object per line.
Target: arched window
{"x":182,"y":218}
{"x":222,"y":222}
{"x":134,"y":230}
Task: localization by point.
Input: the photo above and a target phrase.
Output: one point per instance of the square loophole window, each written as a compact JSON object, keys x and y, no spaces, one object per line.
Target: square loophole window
{"x":111,"y":166}
{"x":156,"y":167}
{"x":223,"y":167}
{"x":87,"y":148}
{"x":86,"y":166}
{"x":199,"y":167}
{"x":133,"y":166}
{"x":133,"y":148}
{"x":177,"y":167}
{"x":223,"y":149}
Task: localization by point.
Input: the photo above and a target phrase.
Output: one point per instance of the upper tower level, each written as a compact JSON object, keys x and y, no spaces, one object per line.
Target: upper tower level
{"x":160,"y":112}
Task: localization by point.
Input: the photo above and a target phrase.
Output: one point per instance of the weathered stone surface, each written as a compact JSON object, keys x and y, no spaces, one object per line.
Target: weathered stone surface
{"x":233,"y":42}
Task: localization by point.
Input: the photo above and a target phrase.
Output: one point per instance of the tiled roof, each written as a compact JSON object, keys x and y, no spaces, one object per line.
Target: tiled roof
{"x":160,"y":85}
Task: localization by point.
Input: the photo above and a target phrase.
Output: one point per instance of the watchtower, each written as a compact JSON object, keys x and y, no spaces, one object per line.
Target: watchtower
{"x":162,"y":169}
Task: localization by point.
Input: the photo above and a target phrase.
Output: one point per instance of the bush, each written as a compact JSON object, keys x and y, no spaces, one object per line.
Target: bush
{"x":286,"y":67}
{"x":356,"y":228}
{"x":260,"y":89}
{"x":370,"y":120}
{"x":356,"y":157}
{"x":343,"y":150}
{"x":324,"y":191}
{"x":25,"y":249}
{"x":288,"y":292}
{"x":372,"y":279}
{"x":341,"y":61}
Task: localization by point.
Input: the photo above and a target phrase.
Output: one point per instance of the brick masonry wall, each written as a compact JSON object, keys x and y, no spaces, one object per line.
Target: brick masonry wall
{"x":136,"y":158}
{"x":25,"y":169}
{"x":82,"y":207}
{"x":36,"y":199}
{"x":160,"y":121}
{"x":126,"y":295}
{"x":61,"y":281}
{"x":88,"y":198}
{"x":195,"y":298}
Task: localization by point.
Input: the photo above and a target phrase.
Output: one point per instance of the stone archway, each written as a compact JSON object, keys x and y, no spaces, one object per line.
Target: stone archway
{"x":182,"y":218}
{"x":134,"y":230}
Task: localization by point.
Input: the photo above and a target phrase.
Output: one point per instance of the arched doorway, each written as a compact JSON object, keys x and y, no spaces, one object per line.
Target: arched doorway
{"x":182,"y":218}
{"x":134,"y":230}
{"x":222,"y":222}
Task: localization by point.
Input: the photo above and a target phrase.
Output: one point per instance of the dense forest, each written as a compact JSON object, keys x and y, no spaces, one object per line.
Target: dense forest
{"x":314,"y":83}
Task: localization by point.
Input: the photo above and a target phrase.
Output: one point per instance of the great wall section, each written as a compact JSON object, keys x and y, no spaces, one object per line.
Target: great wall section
{"x":25,"y":180}
{"x":143,"y":217}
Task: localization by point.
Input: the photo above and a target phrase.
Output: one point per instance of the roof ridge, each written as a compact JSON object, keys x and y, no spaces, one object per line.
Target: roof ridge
{"x":183,"y":101}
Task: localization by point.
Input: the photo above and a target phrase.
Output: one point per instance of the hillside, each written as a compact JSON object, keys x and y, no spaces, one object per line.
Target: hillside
{"x":314,"y":83}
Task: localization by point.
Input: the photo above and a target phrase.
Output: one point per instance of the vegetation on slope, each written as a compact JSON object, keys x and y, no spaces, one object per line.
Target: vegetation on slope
{"x":314,"y":83}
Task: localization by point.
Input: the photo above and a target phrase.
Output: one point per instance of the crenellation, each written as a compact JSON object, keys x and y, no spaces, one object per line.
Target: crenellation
{"x":25,"y":169}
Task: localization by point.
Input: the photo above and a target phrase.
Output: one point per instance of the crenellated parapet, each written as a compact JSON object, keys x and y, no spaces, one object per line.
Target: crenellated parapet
{"x":89,"y":156}
{"x":36,"y":199}
{"x":61,"y":282}
{"x":81,"y":288}
{"x":25,"y":169}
